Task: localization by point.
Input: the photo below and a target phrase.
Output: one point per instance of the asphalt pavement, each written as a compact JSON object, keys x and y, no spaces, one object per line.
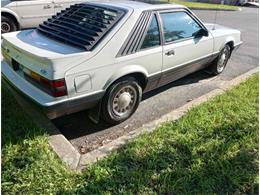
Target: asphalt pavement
{"x":86,"y":136}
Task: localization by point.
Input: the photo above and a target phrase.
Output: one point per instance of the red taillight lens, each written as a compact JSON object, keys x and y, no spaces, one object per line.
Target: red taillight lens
{"x":59,"y":93}
{"x":54,"y":83}
{"x":55,"y":88}
{"x":58,"y":83}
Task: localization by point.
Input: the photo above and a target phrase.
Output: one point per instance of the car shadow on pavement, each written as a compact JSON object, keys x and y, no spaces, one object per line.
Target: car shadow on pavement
{"x":78,"y":124}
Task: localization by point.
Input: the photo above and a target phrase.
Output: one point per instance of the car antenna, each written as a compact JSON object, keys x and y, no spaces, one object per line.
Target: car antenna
{"x":215,"y":19}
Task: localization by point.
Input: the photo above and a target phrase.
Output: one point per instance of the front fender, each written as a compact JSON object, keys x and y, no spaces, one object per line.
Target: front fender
{"x":125,"y":71}
{"x":11,"y":12}
{"x":227,"y":40}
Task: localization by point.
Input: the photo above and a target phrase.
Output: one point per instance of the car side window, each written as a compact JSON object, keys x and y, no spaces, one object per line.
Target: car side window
{"x":178,"y":25}
{"x":152,"y":37}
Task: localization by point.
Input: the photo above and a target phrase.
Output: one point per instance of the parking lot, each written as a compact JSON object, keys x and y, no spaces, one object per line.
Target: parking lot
{"x":86,"y":136}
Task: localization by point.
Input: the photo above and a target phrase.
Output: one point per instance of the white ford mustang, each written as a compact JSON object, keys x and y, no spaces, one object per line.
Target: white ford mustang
{"x":107,"y":54}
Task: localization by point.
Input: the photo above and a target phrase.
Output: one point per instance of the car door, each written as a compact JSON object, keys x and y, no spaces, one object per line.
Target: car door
{"x":183,"y":51}
{"x":63,"y":4}
{"x":150,"y":52}
{"x":34,"y":12}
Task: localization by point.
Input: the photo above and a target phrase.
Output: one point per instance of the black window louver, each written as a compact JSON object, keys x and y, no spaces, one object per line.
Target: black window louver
{"x":82,"y":25}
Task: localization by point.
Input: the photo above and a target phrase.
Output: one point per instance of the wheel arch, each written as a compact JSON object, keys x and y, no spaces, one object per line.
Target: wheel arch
{"x":230,"y":41}
{"x":12,"y":15}
{"x":231,"y":45}
{"x":138,"y":72}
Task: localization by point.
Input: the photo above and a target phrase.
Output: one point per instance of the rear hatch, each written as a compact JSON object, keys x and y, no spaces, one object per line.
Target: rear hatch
{"x":32,"y":50}
{"x":39,"y":60}
{"x":58,"y":43}
{"x":61,"y":42}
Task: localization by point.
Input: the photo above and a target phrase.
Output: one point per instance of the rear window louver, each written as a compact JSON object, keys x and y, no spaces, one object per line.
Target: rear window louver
{"x":82,"y":25}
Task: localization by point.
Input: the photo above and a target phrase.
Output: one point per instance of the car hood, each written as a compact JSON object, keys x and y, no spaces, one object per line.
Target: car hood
{"x":211,"y":27}
{"x":218,"y":30}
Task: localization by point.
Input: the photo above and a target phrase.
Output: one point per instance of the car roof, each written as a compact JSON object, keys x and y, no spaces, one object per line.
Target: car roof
{"x":95,"y":20}
{"x":140,"y":6}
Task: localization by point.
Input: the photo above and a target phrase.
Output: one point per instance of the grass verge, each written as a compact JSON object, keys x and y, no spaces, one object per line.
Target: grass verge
{"x":212,"y":149}
{"x":199,"y":5}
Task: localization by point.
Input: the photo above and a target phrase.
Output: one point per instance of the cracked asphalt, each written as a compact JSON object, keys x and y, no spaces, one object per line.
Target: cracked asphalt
{"x":86,"y":136}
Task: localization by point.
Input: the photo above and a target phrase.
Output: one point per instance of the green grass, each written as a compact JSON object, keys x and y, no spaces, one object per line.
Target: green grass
{"x":212,"y":149}
{"x":203,"y":5}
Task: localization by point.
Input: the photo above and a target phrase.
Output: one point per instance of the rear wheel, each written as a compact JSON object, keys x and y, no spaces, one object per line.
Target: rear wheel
{"x":219,"y":64}
{"x":7,"y":25}
{"x":121,"y":100}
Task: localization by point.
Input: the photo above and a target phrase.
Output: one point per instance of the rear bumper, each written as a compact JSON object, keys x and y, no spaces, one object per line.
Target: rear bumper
{"x":52,"y":107}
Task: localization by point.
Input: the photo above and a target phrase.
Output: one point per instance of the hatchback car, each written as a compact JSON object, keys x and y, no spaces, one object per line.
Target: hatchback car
{"x":107,"y":54}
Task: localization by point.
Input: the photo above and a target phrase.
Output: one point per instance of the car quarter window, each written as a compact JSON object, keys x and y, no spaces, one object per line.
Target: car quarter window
{"x":152,"y":37}
{"x":178,"y":25}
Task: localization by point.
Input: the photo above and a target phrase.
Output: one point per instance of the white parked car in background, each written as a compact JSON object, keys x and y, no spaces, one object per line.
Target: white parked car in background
{"x":20,"y":14}
{"x":110,"y":53}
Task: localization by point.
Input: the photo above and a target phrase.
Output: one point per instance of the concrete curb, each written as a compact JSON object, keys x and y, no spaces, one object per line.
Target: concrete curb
{"x":61,"y":146}
{"x":75,"y":161}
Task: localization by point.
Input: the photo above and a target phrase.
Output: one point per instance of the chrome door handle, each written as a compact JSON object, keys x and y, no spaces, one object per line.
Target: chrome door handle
{"x":170,"y":53}
{"x":47,"y":7}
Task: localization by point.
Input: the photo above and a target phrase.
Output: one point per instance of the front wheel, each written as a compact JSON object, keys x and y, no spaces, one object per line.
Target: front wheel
{"x":7,"y":25}
{"x":219,"y":64}
{"x":121,"y":100}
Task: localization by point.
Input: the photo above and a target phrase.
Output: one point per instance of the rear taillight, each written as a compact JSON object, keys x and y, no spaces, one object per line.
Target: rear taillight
{"x":55,"y":88}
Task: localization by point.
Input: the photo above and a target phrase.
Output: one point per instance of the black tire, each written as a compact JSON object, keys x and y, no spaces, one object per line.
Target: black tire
{"x":216,"y":67}
{"x":130,"y":88}
{"x":7,"y":25}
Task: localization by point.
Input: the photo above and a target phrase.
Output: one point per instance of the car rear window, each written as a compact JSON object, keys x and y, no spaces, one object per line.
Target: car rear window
{"x":82,"y":25}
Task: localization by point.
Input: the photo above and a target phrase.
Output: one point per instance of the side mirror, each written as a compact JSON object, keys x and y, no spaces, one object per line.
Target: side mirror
{"x":201,"y":33}
{"x":205,"y":32}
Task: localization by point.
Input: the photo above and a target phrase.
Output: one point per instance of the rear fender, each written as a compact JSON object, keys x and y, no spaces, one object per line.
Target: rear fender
{"x":125,"y":71}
